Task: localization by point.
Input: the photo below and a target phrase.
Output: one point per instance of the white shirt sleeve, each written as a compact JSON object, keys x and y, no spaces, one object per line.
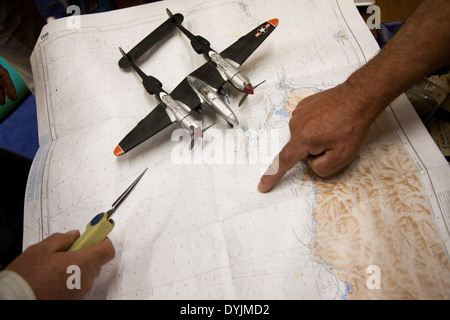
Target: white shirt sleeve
{"x":14,"y":287}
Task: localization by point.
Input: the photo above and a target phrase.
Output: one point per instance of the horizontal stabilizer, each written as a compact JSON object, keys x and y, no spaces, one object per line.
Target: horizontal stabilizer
{"x":151,"y":40}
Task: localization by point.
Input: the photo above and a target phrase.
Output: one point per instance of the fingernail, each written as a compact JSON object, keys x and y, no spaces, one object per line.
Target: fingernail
{"x":72,"y":233}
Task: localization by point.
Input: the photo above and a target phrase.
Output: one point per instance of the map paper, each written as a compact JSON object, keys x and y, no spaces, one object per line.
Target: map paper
{"x":195,"y":227}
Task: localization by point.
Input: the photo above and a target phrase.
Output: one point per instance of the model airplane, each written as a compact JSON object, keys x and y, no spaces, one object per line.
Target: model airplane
{"x":201,"y":86}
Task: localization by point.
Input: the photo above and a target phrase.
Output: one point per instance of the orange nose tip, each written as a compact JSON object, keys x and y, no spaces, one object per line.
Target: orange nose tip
{"x":198,"y":132}
{"x":118,"y":151}
{"x":274,"y":22}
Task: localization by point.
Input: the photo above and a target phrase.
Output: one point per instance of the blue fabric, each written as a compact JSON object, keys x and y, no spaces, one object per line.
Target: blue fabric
{"x":387,"y":31}
{"x":19,"y":132}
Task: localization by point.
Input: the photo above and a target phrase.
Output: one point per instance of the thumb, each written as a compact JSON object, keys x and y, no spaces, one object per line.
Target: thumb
{"x":59,"y":241}
{"x":288,"y":157}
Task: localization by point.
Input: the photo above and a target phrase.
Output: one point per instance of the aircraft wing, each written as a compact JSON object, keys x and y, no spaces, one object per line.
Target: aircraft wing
{"x":184,"y":92}
{"x":244,"y":47}
{"x":153,"y":123}
{"x":158,"y":119}
{"x":239,"y":51}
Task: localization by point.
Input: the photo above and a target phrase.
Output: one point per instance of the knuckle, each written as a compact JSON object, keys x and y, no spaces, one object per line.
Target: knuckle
{"x":293,"y":124}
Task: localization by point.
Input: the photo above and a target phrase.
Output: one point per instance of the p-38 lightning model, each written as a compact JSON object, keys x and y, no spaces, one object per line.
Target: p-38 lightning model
{"x":201,"y":86}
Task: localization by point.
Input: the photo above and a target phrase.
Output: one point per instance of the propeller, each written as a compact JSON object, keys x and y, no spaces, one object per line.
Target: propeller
{"x":246,"y":95}
{"x":193,"y":135}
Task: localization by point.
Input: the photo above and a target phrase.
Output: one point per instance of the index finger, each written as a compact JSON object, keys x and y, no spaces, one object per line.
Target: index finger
{"x":58,"y":241}
{"x":288,"y":157}
{"x":100,"y":253}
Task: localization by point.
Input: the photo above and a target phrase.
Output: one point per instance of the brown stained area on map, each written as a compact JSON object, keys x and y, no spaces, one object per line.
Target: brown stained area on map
{"x":375,"y":213}
{"x":295,"y":96}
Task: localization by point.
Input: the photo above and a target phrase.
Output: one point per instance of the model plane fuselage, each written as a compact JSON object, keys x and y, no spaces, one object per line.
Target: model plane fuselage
{"x":208,"y":95}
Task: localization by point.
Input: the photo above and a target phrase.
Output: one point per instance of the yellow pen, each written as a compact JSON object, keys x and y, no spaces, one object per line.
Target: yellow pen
{"x":101,"y":225}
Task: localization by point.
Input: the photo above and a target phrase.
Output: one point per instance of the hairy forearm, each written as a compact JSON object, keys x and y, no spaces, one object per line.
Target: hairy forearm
{"x":329,"y":127}
{"x":421,"y":46}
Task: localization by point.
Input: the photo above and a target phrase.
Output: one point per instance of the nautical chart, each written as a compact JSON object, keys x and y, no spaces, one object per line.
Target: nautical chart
{"x":196,"y":227}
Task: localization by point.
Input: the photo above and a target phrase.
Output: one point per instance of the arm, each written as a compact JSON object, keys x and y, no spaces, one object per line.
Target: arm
{"x":328,"y":128}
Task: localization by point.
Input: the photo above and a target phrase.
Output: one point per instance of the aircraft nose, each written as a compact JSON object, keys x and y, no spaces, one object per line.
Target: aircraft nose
{"x":248,"y":89}
{"x":198,"y":132}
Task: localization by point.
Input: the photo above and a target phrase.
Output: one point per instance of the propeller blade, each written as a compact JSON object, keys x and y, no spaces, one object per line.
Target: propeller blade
{"x":259,"y":84}
{"x":246,"y":95}
{"x":192,"y":142}
{"x":203,"y":130}
{"x":243,"y":99}
{"x":193,"y":135}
